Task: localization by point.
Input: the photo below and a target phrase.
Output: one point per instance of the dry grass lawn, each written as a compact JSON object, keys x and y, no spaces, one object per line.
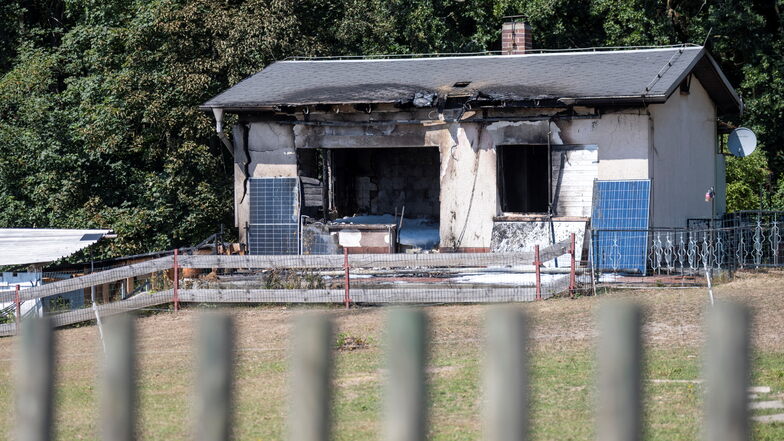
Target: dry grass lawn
{"x":562,"y":352}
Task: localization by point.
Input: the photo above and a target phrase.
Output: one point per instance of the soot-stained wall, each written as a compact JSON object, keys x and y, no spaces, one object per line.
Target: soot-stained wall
{"x":383,"y":180}
{"x":461,"y":177}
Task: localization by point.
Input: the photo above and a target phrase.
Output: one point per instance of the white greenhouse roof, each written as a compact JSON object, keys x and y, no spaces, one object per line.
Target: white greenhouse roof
{"x":24,"y":246}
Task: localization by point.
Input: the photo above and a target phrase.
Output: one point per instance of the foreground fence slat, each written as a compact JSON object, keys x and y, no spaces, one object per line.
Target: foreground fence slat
{"x":727,"y":373}
{"x":35,"y":381}
{"x":506,"y":372}
{"x":214,"y":378}
{"x":311,"y":376}
{"x":405,"y":398}
{"x":506,"y":375}
{"x":118,"y":403}
{"x":619,"y":415}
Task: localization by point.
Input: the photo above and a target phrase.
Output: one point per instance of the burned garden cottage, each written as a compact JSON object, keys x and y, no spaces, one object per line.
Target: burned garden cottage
{"x":474,"y":153}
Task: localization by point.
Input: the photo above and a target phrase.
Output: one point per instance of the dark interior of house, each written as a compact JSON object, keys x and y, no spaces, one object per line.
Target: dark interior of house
{"x":384,"y":180}
{"x":522,"y":178}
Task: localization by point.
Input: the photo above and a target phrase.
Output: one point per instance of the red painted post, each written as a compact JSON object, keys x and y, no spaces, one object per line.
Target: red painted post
{"x":18,"y":303}
{"x":572,"y":286}
{"x":347,"y":298}
{"x":176,"y":282}
{"x":537,"y":263}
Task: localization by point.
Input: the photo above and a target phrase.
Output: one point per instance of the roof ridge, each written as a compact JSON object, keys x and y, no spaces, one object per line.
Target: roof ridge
{"x":483,"y":54}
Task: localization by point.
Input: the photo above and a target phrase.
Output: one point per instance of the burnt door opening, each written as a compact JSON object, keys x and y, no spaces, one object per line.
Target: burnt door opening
{"x":379,"y":181}
{"x":523,"y":179}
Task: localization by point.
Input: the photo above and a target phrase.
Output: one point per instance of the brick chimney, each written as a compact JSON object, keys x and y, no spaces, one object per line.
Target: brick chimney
{"x":516,"y":38}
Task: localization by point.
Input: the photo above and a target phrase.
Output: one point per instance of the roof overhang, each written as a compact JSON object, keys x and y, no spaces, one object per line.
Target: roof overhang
{"x":710,"y":75}
{"x":30,"y":246}
{"x":672,"y":73}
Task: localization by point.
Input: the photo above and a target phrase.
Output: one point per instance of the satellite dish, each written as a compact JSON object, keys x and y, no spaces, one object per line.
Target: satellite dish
{"x":742,"y":142}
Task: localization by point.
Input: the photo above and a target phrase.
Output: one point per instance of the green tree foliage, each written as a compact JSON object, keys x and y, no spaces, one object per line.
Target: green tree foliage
{"x":99,"y":124}
{"x":746,"y":178}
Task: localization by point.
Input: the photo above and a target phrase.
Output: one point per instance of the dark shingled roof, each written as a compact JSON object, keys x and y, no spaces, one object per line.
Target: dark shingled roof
{"x":635,"y":76}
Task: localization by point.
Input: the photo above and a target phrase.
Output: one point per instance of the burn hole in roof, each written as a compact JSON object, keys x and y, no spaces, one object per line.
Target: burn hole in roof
{"x":461,"y":84}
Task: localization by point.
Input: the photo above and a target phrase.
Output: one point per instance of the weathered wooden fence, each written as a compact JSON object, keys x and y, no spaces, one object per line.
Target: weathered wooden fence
{"x":300,"y":262}
{"x":252,"y":289}
{"x":620,"y":401}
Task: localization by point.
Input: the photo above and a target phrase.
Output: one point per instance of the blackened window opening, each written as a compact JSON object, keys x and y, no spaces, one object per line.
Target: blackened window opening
{"x":522,"y":178}
{"x":383,"y":180}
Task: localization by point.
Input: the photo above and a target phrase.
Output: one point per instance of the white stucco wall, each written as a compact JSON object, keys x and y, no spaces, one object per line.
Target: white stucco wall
{"x":679,"y":136}
{"x":272,"y":154}
{"x":623,"y":140}
{"x":684,"y":163}
{"x":469,"y":189}
{"x":468,"y":169}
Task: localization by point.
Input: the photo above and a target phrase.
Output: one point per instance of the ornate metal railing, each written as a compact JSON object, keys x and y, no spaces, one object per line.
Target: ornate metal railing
{"x":688,"y":250}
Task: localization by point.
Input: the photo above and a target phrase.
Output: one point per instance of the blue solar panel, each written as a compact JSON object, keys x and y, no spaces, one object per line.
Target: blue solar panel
{"x":621,"y":211}
{"x":274,"y":216}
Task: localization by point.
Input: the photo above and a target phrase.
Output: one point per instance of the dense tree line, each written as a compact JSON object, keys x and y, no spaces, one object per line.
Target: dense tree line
{"x":98,"y":118}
